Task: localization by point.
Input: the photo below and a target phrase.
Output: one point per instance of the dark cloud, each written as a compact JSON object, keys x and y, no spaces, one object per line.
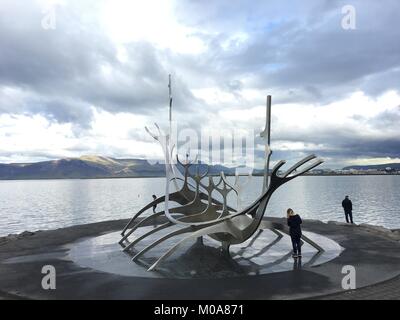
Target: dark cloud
{"x":305,"y":57}
{"x":374,"y":137}
{"x":387,"y":119}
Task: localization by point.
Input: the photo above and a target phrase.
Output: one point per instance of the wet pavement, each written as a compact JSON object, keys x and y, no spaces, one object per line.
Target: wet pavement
{"x":71,"y":251}
{"x":265,"y":253}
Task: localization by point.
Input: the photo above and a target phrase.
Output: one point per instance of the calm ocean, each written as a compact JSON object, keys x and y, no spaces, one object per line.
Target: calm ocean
{"x":49,"y":204}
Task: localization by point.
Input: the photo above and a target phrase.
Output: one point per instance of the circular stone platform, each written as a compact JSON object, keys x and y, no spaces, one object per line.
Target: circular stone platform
{"x":91,"y":265}
{"x":265,"y":253}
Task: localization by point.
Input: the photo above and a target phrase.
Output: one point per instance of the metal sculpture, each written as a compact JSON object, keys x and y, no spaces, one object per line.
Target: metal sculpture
{"x":198,"y":213}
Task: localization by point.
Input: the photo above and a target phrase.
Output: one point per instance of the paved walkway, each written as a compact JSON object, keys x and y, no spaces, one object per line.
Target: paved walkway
{"x":389,"y":290}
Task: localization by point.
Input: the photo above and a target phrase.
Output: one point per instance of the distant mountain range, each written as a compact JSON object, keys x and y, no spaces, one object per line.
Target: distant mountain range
{"x":87,"y":167}
{"x":90,"y":167}
{"x":395,"y":166}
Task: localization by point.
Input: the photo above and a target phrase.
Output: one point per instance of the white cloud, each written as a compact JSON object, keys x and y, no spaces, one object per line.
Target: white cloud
{"x":35,"y":138}
{"x":152,"y":21}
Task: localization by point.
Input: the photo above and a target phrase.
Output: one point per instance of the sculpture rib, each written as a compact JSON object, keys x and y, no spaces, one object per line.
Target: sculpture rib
{"x":161,"y":227}
{"x":158,"y":241}
{"x":194,"y":235}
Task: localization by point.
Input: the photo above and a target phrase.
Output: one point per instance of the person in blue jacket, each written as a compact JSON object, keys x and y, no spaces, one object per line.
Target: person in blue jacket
{"x":294,"y":222}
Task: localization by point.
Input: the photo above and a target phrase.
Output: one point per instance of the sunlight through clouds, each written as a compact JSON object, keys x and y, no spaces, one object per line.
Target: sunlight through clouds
{"x":152,"y":21}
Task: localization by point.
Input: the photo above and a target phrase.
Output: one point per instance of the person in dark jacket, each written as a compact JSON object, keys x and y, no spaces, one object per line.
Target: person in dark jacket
{"x":348,"y":209}
{"x":155,"y":205}
{"x":294,"y":221}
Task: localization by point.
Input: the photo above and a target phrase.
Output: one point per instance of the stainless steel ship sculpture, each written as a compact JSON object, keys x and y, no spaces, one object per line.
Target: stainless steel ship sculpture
{"x":197,"y":213}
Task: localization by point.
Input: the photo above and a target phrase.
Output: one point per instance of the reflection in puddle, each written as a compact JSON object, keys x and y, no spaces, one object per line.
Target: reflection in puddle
{"x":262,"y":254}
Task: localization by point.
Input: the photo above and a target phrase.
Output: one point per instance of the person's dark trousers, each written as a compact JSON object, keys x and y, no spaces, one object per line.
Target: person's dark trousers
{"x":349,"y":216}
{"x":296,"y":243}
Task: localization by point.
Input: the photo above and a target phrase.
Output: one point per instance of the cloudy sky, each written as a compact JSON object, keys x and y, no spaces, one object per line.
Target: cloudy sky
{"x":85,"y":77}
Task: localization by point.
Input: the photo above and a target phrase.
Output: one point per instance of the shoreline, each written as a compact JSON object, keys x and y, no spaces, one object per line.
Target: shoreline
{"x":214,"y":175}
{"x":27,"y":233}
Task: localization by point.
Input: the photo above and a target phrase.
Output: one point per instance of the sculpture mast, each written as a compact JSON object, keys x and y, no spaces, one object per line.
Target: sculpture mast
{"x":266,"y":134}
{"x":170,"y":102}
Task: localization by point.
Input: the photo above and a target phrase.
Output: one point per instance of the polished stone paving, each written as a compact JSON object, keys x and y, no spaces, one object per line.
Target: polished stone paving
{"x":262,"y":254}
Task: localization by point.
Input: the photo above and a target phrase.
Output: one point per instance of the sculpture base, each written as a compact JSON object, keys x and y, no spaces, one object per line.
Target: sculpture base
{"x":264,"y":253}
